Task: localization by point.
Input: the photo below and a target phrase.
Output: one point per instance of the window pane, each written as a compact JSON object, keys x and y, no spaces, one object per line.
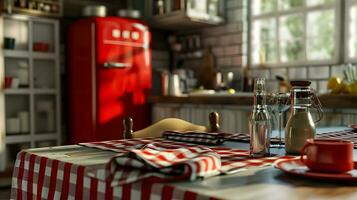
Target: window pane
{"x":263,"y":41}
{"x":291,"y":27}
{"x":291,"y":50}
{"x":320,"y":35}
{"x":291,"y":38}
{"x":268,"y":53}
{"x":263,"y":6}
{"x":352,"y":42}
{"x":289,"y":4}
{"x":319,"y":2}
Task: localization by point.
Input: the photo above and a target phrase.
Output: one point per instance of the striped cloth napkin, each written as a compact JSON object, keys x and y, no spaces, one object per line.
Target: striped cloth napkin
{"x":161,"y":163}
{"x":195,"y":137}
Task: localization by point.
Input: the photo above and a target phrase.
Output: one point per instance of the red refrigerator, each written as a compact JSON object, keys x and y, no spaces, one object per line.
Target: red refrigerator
{"x":109,"y":77}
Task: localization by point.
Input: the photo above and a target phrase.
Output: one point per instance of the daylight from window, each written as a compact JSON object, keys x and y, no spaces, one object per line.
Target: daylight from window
{"x":293,"y":31}
{"x":352,"y":43}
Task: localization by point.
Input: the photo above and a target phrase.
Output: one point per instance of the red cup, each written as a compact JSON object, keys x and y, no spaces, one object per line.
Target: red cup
{"x":8,"y":81}
{"x":328,"y":155}
{"x":41,"y":46}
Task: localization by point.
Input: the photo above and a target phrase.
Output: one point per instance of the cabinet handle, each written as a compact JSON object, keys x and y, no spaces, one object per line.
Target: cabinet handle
{"x":116,"y":65}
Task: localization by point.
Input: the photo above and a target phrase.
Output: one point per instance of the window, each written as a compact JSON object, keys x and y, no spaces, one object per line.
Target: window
{"x":293,"y":32}
{"x":351,"y":29}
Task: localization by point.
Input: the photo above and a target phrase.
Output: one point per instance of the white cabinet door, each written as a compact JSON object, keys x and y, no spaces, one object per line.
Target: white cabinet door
{"x":228,"y":120}
{"x":162,"y":111}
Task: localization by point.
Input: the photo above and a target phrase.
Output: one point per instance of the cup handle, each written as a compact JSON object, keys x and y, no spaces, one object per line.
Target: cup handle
{"x":302,"y":152}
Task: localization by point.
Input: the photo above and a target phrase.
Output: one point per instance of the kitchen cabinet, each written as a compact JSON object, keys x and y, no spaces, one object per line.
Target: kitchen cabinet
{"x":184,"y":14}
{"x":232,"y":118}
{"x":30,"y":96}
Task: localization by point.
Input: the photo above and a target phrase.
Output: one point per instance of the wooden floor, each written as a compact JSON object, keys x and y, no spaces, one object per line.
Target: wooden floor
{"x":5,"y":193}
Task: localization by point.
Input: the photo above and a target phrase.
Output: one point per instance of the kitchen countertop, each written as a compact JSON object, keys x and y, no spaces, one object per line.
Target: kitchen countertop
{"x":327,"y":100}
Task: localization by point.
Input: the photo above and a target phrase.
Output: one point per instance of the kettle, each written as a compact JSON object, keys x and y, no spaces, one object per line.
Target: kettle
{"x":174,"y":85}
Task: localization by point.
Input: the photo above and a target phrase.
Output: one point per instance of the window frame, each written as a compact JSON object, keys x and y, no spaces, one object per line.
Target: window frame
{"x":276,"y":15}
{"x":348,"y":5}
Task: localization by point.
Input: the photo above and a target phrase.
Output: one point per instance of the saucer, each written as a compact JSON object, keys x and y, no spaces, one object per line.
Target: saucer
{"x":297,"y":168}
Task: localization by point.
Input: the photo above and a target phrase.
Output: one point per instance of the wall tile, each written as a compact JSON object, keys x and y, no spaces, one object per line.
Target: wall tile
{"x":261,"y":73}
{"x":237,"y":61}
{"x":218,"y":51}
{"x":214,"y":31}
{"x":226,"y":61}
{"x":224,"y":40}
{"x":279,"y":72}
{"x":235,"y":15}
{"x":337,"y":71}
{"x":322,"y":87}
{"x":235,"y":27}
{"x":232,"y":50}
{"x":314,"y":85}
{"x":315,"y":72}
{"x":230,"y":39}
{"x":297,"y":73}
{"x":209,"y":41}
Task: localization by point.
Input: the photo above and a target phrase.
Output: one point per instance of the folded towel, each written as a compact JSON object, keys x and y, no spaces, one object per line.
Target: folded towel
{"x":161,"y":163}
{"x":195,"y":137}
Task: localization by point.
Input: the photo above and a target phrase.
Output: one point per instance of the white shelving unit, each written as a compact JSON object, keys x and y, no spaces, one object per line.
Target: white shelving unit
{"x":40,"y":98}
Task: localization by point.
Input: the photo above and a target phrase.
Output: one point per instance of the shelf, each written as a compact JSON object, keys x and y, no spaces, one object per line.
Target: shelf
{"x":45,"y":136}
{"x":27,"y":54}
{"x":48,"y":1}
{"x":45,"y":91}
{"x":35,"y":12}
{"x":43,"y":55}
{"x":16,"y":54}
{"x":22,"y":138}
{"x":29,"y":91}
{"x":17,"y":91}
{"x":182,"y":21}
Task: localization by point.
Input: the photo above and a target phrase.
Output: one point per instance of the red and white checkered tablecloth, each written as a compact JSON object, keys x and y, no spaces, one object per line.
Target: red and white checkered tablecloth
{"x":231,"y":160}
{"x":349,"y":135}
{"x":42,"y":177}
{"x":37,"y":177}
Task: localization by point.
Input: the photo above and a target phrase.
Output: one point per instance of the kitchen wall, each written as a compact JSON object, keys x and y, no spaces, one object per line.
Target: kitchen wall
{"x":318,"y":75}
{"x":228,"y":41}
{"x":230,"y":47}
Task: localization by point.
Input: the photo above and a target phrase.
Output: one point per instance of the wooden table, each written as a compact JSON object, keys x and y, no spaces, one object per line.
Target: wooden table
{"x":260,"y":183}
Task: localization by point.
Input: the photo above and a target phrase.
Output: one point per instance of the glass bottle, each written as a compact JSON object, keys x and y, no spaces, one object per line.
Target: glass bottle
{"x":300,"y":125}
{"x":259,"y":122}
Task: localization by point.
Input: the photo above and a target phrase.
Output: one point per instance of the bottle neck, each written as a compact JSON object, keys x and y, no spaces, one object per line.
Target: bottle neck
{"x":260,"y":100}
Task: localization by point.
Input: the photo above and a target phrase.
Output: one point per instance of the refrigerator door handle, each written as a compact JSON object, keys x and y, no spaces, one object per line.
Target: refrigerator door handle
{"x":116,"y":65}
